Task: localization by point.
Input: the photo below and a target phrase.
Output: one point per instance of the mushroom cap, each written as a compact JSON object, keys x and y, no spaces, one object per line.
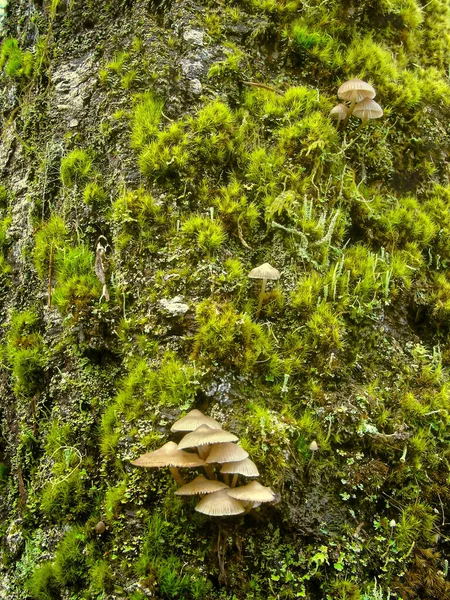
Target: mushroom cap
{"x":168,"y":456}
{"x":252,"y":492}
{"x":220,"y":504}
{"x":339,"y":112}
{"x":356,"y":90}
{"x":242,"y":467}
{"x":228,"y":452}
{"x":192,"y":420}
{"x":100,"y":527}
{"x":313,"y":446}
{"x":264,"y":271}
{"x":368,"y":109}
{"x":205,"y":435}
{"x":200,"y":485}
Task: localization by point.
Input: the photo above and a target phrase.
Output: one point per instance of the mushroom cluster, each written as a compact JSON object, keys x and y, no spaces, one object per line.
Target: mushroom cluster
{"x":219,"y":455}
{"x":359,"y":96}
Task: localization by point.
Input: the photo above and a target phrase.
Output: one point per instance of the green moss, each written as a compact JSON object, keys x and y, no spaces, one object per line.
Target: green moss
{"x":76,"y":168}
{"x":208,"y":235}
{"x":101,"y":578}
{"x":94,"y":195}
{"x":227,"y":337}
{"x":76,"y":282}
{"x":70,"y":562}
{"x":49,"y":238}
{"x":17,"y":63}
{"x":25,"y":352}
{"x":66,"y":494}
{"x":145,"y":120}
{"x":43,"y":583}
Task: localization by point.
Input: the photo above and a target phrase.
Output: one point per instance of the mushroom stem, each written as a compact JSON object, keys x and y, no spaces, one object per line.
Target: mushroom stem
{"x":261,"y":296}
{"x":349,"y":113}
{"x":363,"y":122}
{"x":248,"y":507}
{"x":209,"y":470}
{"x":203,"y":451}
{"x":234,"y":480}
{"x":176,"y":475}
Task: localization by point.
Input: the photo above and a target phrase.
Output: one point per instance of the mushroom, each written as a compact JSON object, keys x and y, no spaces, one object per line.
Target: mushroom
{"x":313,"y":446}
{"x":225,"y":453}
{"x":354,"y":91}
{"x":264,"y":272}
{"x":200,"y":485}
{"x":244,"y":467}
{"x":192,"y":420}
{"x":100,"y":527}
{"x":220,"y":504}
{"x":252,"y":493}
{"x":170,"y":456}
{"x":367,"y":109}
{"x":339,"y":113}
{"x":205,"y":436}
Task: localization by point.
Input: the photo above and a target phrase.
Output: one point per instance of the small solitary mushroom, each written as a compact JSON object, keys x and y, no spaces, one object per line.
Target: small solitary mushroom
{"x":244,"y":467}
{"x":263,"y":272}
{"x":192,"y":420}
{"x":354,"y":91}
{"x":252,"y":493}
{"x":367,"y":109}
{"x":313,"y":446}
{"x":169,"y":456}
{"x":200,"y":485}
{"x":339,"y":113}
{"x":220,"y":504}
{"x":100,"y":527}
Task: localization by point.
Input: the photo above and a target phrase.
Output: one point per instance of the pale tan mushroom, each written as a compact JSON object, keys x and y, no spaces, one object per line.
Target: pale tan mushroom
{"x":220,"y":504}
{"x":244,"y":467}
{"x":253,"y":493}
{"x":192,"y":420}
{"x":339,"y":113}
{"x":263,"y":272}
{"x":367,"y":109}
{"x":200,"y":485}
{"x":170,"y":456}
{"x":201,"y":438}
{"x":225,"y":453}
{"x":204,"y":436}
{"x":356,"y":90}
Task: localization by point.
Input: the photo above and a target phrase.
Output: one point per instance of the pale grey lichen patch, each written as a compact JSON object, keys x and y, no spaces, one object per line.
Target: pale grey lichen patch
{"x":175,"y":306}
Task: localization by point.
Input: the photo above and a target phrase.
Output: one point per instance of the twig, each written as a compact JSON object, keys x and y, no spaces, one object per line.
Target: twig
{"x":263,"y":86}
{"x":442,"y":508}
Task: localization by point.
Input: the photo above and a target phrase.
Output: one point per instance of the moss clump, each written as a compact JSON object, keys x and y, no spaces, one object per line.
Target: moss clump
{"x":49,"y":238}
{"x":145,"y":119}
{"x":208,"y":235}
{"x":26,"y":353}
{"x":43,"y":583}
{"x":17,"y":63}
{"x":76,"y":282}
{"x":76,"y":168}
{"x":228,"y":337}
